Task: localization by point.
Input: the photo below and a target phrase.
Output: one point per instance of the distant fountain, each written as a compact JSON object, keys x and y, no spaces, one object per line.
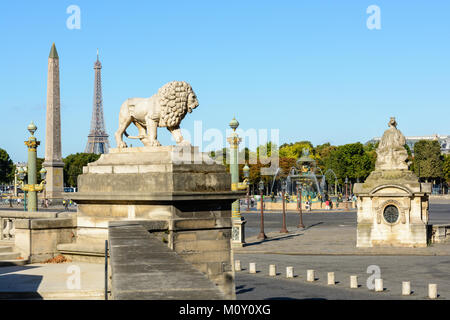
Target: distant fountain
{"x":305,"y":173}
{"x":274,"y":178}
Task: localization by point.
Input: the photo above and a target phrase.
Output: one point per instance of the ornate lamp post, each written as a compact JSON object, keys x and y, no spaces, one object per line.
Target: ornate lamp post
{"x":299,"y":191}
{"x":283,"y":191}
{"x":32,"y":187}
{"x":238,"y":231}
{"x":261,"y":234}
{"x":246,"y":171}
{"x":346,"y":192}
{"x":19,"y":176}
{"x":346,"y":188}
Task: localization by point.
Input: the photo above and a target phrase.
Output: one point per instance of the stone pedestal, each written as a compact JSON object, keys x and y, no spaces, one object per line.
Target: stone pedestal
{"x":54,"y":187}
{"x":238,"y":233}
{"x":392,"y":210}
{"x":179,"y":185}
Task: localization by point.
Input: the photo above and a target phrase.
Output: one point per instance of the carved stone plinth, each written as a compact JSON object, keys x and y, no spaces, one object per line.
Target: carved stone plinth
{"x":392,"y":203}
{"x":178,"y":185}
{"x":392,"y":210}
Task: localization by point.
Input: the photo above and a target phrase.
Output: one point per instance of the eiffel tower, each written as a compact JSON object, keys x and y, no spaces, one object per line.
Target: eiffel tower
{"x":98,"y":138}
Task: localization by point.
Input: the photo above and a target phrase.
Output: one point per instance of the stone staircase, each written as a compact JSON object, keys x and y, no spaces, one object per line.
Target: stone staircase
{"x":8,"y":255}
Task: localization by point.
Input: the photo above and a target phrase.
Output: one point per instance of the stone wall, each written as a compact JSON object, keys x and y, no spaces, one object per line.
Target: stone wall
{"x":37,"y":239}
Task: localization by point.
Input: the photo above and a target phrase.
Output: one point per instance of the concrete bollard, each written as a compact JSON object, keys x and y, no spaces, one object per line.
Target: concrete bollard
{"x":406,"y":288}
{"x":252,"y":267}
{"x":289,"y":272}
{"x":379,"y":285}
{"x":354,"y":282}
{"x":432,"y":291}
{"x":272,"y":270}
{"x":237,"y":265}
{"x":331,"y":280}
{"x":310,"y":276}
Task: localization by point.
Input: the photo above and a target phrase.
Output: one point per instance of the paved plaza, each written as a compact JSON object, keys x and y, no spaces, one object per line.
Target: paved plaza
{"x":327,"y":244}
{"x":53,"y":281}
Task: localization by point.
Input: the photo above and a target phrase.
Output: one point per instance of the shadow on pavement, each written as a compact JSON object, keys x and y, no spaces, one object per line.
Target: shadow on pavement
{"x":20,"y":286}
{"x":313,"y":225}
{"x":248,"y":244}
{"x":11,"y":269}
{"x":240,"y":289}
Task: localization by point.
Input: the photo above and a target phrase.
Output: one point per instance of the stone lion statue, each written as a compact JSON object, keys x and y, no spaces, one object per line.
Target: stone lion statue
{"x":166,"y":108}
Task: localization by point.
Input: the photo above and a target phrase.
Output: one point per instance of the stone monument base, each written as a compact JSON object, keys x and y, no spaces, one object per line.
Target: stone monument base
{"x":392,"y":210}
{"x":178,"y":185}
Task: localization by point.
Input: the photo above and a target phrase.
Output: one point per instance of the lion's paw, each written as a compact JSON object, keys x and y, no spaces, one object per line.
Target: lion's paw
{"x":184,"y":143}
{"x":122,"y":144}
{"x":155,"y":143}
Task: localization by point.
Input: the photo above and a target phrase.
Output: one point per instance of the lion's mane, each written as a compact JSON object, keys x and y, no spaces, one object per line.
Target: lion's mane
{"x":173,"y":97}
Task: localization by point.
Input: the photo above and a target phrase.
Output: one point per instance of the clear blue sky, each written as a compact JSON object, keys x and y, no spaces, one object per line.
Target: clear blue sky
{"x":309,"y":68}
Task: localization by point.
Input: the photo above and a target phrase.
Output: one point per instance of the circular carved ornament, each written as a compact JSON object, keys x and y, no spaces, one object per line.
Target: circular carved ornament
{"x":391,"y":214}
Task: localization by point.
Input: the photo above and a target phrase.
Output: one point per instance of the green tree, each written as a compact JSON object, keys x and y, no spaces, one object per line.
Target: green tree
{"x":428,"y":161}
{"x":6,"y":167}
{"x":295,"y":150}
{"x":352,"y":161}
{"x":73,"y":166}
{"x":446,"y":168}
{"x":267,"y":150}
{"x":322,"y":154}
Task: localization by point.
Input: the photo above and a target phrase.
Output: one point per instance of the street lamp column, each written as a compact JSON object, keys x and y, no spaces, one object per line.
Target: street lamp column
{"x":32,"y":187}
{"x":32,"y":145}
{"x":246,"y":171}
{"x":283,"y":191}
{"x":299,"y":190}
{"x":346,"y":192}
{"x":261,"y":234}
{"x":238,"y":232}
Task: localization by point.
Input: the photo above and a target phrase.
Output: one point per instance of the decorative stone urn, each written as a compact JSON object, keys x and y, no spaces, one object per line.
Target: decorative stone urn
{"x":392,"y":203}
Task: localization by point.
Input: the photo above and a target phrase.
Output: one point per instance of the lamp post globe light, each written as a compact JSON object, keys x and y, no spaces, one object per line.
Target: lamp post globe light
{"x":261,"y":234}
{"x":19,"y":176}
{"x":32,"y":187}
{"x":283,"y":199}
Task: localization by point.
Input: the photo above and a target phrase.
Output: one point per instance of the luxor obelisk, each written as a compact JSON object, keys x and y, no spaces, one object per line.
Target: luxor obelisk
{"x":53,"y":159}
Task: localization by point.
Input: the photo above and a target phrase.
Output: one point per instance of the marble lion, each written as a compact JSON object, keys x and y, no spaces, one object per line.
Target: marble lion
{"x":166,"y":108}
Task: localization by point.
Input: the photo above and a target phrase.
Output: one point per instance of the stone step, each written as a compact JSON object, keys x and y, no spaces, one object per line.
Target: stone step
{"x":13,"y":262}
{"x":6,"y":249}
{"x":84,"y":251}
{"x":9,"y":255}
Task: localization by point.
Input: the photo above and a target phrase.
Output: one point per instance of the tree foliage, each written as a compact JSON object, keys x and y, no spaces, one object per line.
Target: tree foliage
{"x":6,"y":167}
{"x":295,"y":150}
{"x":73,"y":166}
{"x":446,"y":168}
{"x":428,"y":161}
{"x":352,"y":161}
